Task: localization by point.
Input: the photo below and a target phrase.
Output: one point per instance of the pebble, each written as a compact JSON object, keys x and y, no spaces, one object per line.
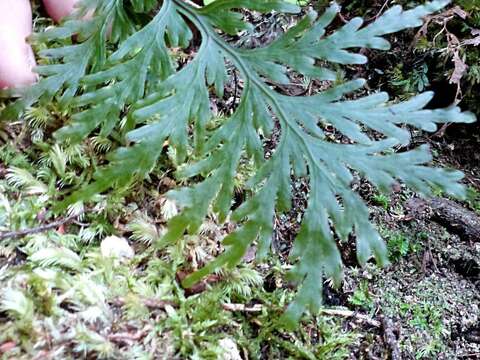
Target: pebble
{"x":117,"y":247}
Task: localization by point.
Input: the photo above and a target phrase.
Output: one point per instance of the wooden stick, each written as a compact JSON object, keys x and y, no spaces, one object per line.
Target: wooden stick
{"x":242,"y":307}
{"x":332,"y":312}
{"x":391,"y":339}
{"x":349,"y":314}
{"x":36,"y":230}
{"x":152,"y":304}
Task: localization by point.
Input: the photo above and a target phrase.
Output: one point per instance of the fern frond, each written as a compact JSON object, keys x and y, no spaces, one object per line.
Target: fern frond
{"x":143,"y":230}
{"x":90,"y":233}
{"x":22,"y":179}
{"x":169,"y":209}
{"x":16,"y":304}
{"x":163,"y":103}
{"x":38,"y":117}
{"x":56,"y":257}
{"x":240,"y":282}
{"x":101,"y":144}
{"x":87,"y":341}
{"x":58,"y":159}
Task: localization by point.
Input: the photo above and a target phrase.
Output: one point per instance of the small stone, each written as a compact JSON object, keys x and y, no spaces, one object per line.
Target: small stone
{"x":117,"y":247}
{"x":230,"y":349}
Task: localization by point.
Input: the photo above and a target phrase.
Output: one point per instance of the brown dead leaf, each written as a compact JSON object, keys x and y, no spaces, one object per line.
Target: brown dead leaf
{"x":200,"y":286}
{"x":459,"y":71}
{"x":61,"y":229}
{"x":250,"y":254}
{"x":7,"y":347}
{"x":457,"y":10}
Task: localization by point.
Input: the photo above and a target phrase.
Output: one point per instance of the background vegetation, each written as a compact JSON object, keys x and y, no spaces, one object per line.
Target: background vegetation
{"x":69,"y":293}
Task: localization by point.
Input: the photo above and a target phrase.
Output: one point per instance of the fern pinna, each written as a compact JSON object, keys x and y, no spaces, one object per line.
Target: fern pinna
{"x":132,"y":84}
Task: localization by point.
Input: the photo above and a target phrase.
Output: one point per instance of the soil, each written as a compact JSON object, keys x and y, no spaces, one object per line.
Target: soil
{"x":431,"y":294}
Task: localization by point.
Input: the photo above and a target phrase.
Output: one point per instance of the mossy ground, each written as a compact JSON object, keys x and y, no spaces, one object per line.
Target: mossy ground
{"x":62,"y":298}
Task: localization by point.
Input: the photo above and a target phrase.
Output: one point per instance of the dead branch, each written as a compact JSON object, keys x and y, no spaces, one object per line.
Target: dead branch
{"x":448,"y":213}
{"x":351,"y":314}
{"x":126,"y":337}
{"x":152,"y":304}
{"x":39,"y":229}
{"x":242,"y":307}
{"x":390,"y":338}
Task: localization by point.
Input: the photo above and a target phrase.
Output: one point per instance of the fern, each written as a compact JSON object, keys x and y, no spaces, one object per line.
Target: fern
{"x":15,"y":303}
{"x":138,"y":90}
{"x":56,"y":256}
{"x":143,"y":230}
{"x":21,"y":178}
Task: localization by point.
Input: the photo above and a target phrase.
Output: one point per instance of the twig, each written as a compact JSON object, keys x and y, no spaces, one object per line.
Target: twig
{"x":36,"y":230}
{"x":192,"y":4}
{"x":149,"y":303}
{"x":474,"y":355}
{"x":381,"y":9}
{"x":333,"y":312}
{"x":379,"y":13}
{"x":235,"y":89}
{"x":391,"y":339}
{"x":81,"y":224}
{"x":126,"y":338}
{"x":242,"y":307}
{"x":352,"y":314}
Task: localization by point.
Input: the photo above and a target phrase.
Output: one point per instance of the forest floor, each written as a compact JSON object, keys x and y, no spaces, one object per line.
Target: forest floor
{"x":64,"y":296}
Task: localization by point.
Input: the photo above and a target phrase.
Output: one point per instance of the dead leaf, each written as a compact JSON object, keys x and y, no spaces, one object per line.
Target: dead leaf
{"x":457,"y":10}
{"x":250,"y":254}
{"x":61,"y":229}
{"x":199,"y":287}
{"x":474,"y":41}
{"x":7,"y":346}
{"x":459,"y":71}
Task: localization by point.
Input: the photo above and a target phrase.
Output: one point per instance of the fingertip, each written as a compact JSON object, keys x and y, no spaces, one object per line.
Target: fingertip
{"x":59,"y":9}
